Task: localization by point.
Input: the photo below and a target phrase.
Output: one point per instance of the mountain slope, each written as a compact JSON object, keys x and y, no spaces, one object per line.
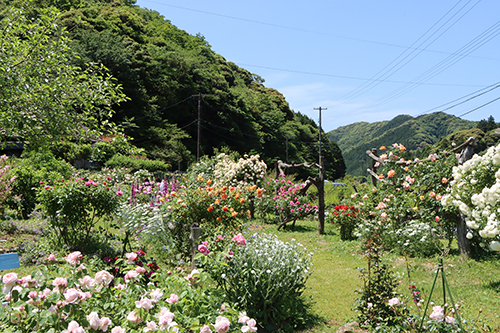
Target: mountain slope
{"x":415,"y":133}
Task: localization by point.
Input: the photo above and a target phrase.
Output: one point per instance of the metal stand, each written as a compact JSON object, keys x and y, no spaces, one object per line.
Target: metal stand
{"x":445,"y":288}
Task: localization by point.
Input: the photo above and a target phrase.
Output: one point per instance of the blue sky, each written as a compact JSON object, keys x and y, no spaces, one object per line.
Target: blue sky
{"x":362,"y":60}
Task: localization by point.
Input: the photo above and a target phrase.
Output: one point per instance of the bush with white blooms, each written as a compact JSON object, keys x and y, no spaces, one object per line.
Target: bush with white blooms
{"x":475,"y":190}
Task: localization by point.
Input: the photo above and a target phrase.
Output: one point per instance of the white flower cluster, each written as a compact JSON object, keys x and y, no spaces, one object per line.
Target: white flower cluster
{"x":475,"y":190}
{"x":248,"y":170}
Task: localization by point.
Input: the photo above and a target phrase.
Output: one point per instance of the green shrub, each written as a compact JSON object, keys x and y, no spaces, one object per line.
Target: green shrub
{"x":122,"y":161}
{"x":75,"y":206}
{"x":31,"y":172}
{"x":266,"y":277}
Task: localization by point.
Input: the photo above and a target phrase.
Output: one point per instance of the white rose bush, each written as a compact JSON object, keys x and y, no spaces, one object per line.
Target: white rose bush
{"x":475,"y":190}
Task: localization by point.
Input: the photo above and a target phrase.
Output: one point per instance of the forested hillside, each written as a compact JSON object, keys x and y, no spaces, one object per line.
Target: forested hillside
{"x":169,"y":75}
{"x":415,"y":134}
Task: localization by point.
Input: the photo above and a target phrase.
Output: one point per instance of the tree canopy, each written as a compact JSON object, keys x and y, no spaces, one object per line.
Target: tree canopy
{"x":44,"y":96}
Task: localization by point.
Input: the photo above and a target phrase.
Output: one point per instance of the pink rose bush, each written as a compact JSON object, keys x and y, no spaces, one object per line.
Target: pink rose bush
{"x":79,"y":301}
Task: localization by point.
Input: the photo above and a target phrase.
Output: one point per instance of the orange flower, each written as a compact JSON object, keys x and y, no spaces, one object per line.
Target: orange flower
{"x":219,"y":219}
{"x":200,"y":178}
{"x":233,"y":214}
{"x":217,"y":201}
{"x":224,"y":188}
{"x":249,"y":212}
{"x":225,"y":208}
{"x":174,"y":194}
{"x":391,"y":173}
{"x":242,"y":200}
{"x":237,"y":196}
{"x":382,"y":148}
{"x":380,"y":176}
{"x":209,"y":182}
{"x":224,"y":196}
{"x":259,"y":192}
{"x":406,"y":168}
{"x":210,"y":209}
{"x":402,"y":148}
{"x":231,"y":189}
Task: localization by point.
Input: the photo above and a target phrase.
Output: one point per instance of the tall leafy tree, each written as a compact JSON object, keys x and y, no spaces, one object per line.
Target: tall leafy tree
{"x":44,"y":97}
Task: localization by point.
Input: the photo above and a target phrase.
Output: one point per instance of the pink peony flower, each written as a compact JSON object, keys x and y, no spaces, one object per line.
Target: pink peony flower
{"x":156,"y":295}
{"x":51,"y":257}
{"x":173,"y":299}
{"x":119,"y":193}
{"x":74,"y":258}
{"x":103,"y":278}
{"x":221,"y":324}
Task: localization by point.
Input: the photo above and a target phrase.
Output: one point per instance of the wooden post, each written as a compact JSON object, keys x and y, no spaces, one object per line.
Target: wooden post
{"x":194,"y":237}
{"x":374,"y":168}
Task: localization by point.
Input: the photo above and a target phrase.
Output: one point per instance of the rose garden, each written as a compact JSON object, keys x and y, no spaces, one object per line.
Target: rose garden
{"x":116,"y":247}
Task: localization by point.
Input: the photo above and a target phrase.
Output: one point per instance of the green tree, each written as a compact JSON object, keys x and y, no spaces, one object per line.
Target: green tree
{"x":44,"y":97}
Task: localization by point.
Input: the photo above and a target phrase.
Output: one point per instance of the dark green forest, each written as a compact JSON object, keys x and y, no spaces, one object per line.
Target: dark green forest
{"x":169,"y":75}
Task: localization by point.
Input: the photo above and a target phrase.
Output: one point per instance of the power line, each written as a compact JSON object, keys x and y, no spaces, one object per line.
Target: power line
{"x":357,"y":78}
{"x":479,"y":107}
{"x":299,"y":29}
{"x":391,"y":69}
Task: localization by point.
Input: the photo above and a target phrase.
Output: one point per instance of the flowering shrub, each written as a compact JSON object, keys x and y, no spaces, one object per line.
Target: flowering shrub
{"x":475,"y":190}
{"x":345,"y":216}
{"x":74,"y":206}
{"x":70,"y":298}
{"x":262,"y":274}
{"x":6,"y":180}
{"x":290,"y":202}
{"x":247,"y":171}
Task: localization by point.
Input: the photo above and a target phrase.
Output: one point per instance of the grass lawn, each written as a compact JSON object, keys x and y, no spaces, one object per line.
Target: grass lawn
{"x":475,"y":285}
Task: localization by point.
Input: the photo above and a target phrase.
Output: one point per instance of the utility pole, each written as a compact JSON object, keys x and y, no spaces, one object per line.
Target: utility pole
{"x":199,"y":128}
{"x":320,"y":184}
{"x":319,"y":131}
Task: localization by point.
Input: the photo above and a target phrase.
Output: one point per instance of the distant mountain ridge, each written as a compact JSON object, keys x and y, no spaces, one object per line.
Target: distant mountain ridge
{"x":416,"y":133}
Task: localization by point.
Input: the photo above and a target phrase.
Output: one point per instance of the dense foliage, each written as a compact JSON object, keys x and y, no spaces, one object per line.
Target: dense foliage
{"x":163,"y":70}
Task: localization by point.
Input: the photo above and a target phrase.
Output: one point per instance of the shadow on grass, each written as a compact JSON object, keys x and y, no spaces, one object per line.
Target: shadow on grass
{"x":495,"y":286}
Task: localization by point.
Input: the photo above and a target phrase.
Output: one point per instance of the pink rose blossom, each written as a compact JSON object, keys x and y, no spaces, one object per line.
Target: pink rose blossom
{"x":221,"y":324}
{"x":103,"y":278}
{"x":205,"y":329}
{"x":150,"y":326}
{"x":131,"y":275}
{"x":140,"y":270}
{"x":239,"y":239}
{"x":243,"y":318}
{"x":105,"y":322}
{"x":74,"y":327}
{"x":87,"y":282}
{"x":156,"y":295}
{"x":71,"y":295}
{"x":94,"y":320}
{"x":51,"y":257}
{"x":133,"y":317}
{"x":131,"y":257}
{"x":9,"y":280}
{"x":250,"y":326}
{"x":394,"y":301}
{"x":203,"y":249}
{"x":144,"y":303}
{"x":74,"y":258}
{"x":117,"y":329}
{"x":173,"y":299}
{"x":60,"y":282}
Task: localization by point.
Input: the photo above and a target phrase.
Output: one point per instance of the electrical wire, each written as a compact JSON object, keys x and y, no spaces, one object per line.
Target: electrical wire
{"x":479,"y":107}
